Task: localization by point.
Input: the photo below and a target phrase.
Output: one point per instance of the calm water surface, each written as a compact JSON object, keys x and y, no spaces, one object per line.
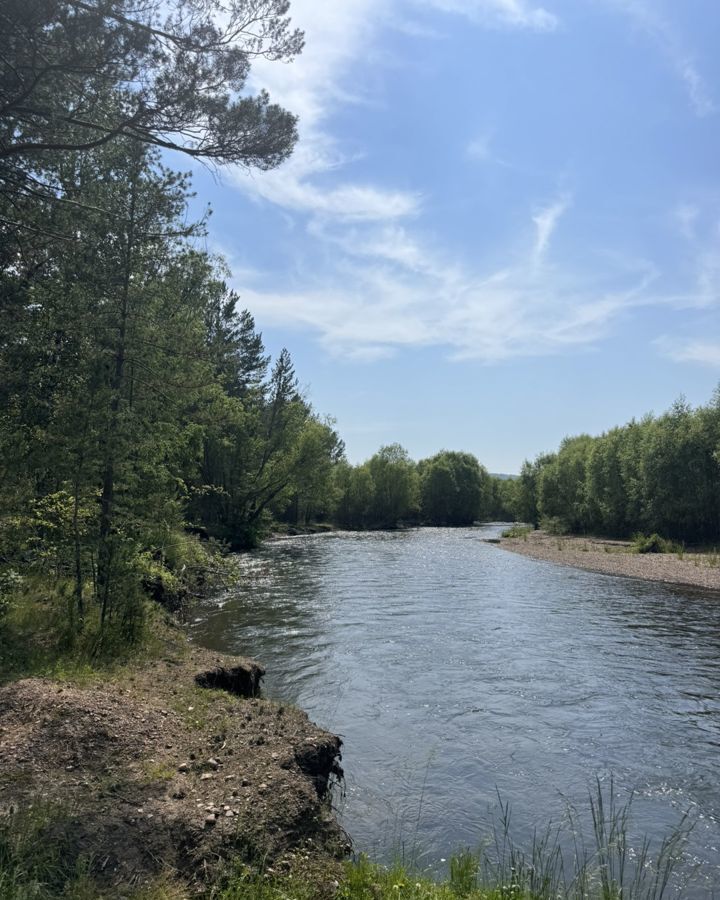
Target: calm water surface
{"x":455,"y":670}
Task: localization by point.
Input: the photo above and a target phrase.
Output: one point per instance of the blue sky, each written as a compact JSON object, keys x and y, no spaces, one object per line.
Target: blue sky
{"x":501,"y":224}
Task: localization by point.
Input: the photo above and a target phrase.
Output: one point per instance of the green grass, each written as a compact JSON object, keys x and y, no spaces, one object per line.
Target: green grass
{"x":517,"y":531}
{"x":41,"y":636}
{"x":654,"y":543}
{"x":39,"y":861}
{"x":558,"y":865}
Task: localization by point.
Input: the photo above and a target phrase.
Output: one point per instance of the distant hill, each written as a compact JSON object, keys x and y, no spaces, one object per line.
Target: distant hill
{"x":503,"y":477}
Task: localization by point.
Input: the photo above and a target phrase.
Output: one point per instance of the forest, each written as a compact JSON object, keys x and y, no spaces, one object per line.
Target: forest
{"x":143,"y":426}
{"x":657,"y":475}
{"x":138,"y":408}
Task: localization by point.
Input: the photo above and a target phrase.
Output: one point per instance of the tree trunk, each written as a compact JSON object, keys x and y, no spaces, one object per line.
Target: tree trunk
{"x":107,"y":499}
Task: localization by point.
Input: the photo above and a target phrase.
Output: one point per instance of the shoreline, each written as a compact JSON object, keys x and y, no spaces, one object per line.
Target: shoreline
{"x":171,"y":770}
{"x":614,"y":557}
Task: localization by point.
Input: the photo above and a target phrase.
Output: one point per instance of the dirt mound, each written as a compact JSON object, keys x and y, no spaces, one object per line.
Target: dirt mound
{"x":151,"y":773}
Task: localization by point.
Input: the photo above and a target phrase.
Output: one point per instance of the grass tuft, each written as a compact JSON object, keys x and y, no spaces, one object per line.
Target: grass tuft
{"x":517,"y":531}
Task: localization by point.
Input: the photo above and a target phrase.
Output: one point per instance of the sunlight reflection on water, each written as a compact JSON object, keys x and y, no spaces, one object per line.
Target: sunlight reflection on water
{"x":455,"y":671}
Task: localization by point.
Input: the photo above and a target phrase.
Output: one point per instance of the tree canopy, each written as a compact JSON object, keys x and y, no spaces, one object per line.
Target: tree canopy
{"x":661,"y":474}
{"x":78,"y":74}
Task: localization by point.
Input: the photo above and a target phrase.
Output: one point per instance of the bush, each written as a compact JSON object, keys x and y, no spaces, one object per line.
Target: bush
{"x":554,"y":525}
{"x":517,"y":531}
{"x":652,"y":543}
{"x":10,"y":582}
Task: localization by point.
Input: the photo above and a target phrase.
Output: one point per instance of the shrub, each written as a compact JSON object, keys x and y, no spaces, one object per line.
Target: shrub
{"x":10,"y":581}
{"x":517,"y":531}
{"x":554,"y":525}
{"x":651,"y":543}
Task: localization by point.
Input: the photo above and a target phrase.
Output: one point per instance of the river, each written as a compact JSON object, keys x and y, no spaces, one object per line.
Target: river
{"x":457,"y":672}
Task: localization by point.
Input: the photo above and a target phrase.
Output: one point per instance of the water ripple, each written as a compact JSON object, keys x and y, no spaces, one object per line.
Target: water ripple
{"x":454,"y":670}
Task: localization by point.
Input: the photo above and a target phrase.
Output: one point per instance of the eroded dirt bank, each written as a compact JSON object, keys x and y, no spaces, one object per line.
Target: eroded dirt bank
{"x":150,"y":773}
{"x":615,"y":558}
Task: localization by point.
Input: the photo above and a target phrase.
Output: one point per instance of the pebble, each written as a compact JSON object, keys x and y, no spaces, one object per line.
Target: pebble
{"x":213,"y":763}
{"x":210,"y":819}
{"x":206,"y":776}
{"x":183,"y":767}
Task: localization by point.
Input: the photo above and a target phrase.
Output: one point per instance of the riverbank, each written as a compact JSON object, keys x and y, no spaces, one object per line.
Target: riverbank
{"x":158,"y":781}
{"x":611,"y":557}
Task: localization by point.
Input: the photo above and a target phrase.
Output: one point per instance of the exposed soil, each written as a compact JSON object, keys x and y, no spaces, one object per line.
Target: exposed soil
{"x":616,"y":558}
{"x":154,"y":774}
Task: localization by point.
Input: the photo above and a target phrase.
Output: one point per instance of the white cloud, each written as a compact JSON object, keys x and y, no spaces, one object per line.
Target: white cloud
{"x":296,"y":188}
{"x":545,"y":223}
{"x":700,"y":352}
{"x":666,"y":38}
{"x":337,"y":35}
{"x":381,"y":286}
{"x":697,"y":88}
{"x":502,"y":13}
{"x":388,"y":290}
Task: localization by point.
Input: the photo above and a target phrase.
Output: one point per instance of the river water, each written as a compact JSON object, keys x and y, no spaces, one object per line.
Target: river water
{"x":457,"y":672}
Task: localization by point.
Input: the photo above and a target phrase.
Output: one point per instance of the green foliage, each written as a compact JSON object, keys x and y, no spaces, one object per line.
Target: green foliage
{"x":10,"y":584}
{"x":464,"y":870}
{"x":503,"y":499}
{"x":518,"y":531}
{"x":135,"y":397}
{"x":455,"y":489}
{"x":40,"y":636}
{"x":450,"y":488}
{"x":396,"y":487}
{"x":76,"y":76}
{"x":554,"y":525}
{"x":657,"y":476}
{"x":652,"y":543}
{"x":353,"y":489}
{"x":31,"y":865}
{"x":384,"y":492}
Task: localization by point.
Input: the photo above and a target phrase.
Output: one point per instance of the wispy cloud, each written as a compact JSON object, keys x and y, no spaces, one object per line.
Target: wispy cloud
{"x":697,"y":88}
{"x":700,"y":352}
{"x":388,"y":290}
{"x":500,"y":13}
{"x":669,"y":42}
{"x":545,"y":223}
{"x":338,"y":34}
{"x":297,"y":187}
{"x":382,"y":286}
